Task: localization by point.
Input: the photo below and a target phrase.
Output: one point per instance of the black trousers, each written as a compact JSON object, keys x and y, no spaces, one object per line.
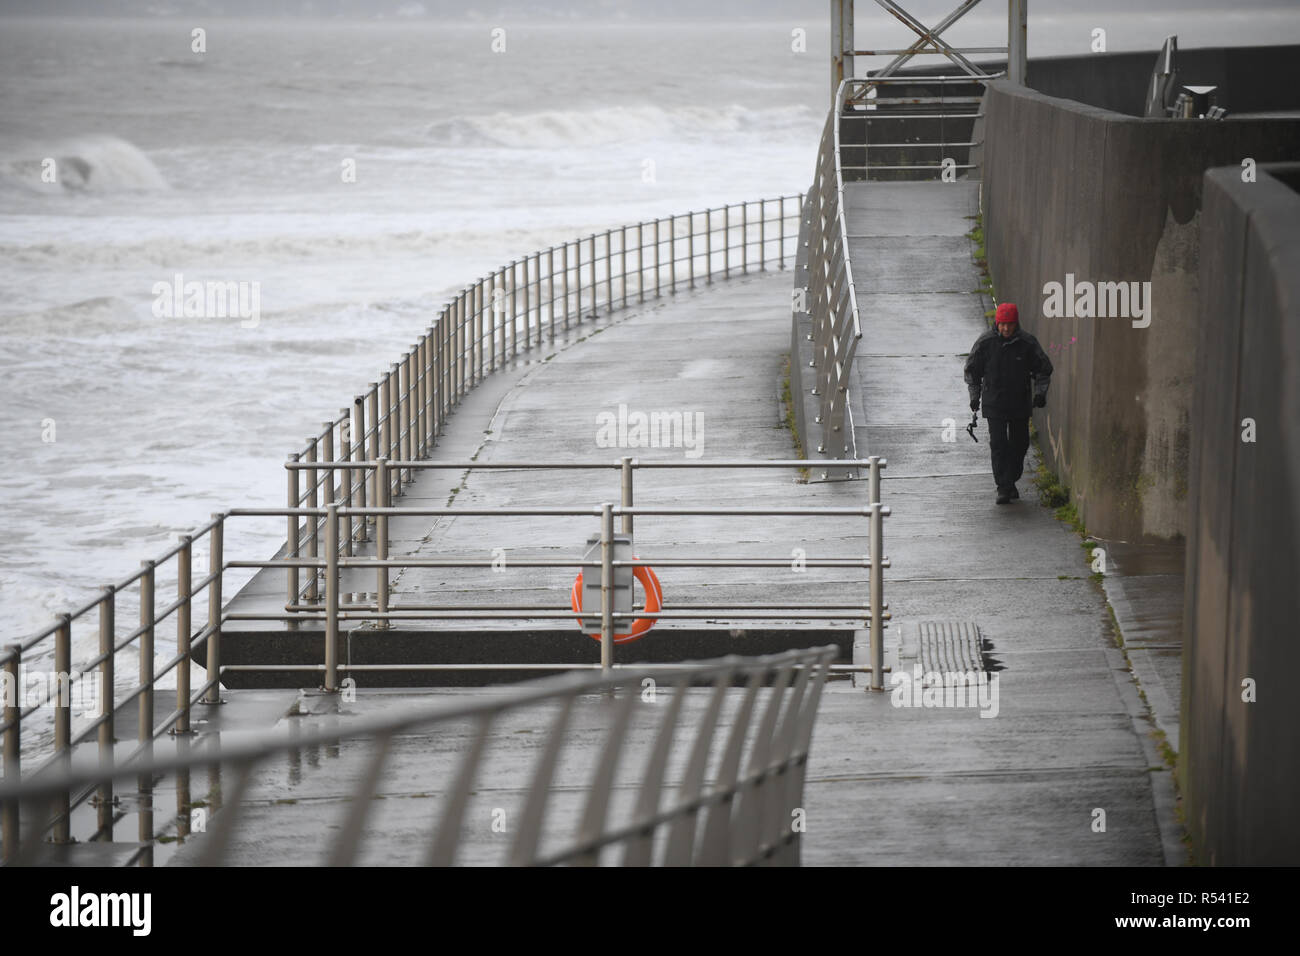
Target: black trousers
{"x":1008,"y":441}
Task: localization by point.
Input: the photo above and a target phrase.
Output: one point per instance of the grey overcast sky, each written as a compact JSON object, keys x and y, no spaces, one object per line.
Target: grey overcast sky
{"x":591,"y":9}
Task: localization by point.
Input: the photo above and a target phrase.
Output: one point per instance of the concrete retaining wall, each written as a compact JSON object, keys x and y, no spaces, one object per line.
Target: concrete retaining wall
{"x":1240,"y":760}
{"x":1250,"y":79}
{"x":1073,"y":189}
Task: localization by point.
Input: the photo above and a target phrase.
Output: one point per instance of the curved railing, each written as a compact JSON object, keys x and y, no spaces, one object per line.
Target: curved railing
{"x":832,"y":299}
{"x":484,"y":326}
{"x":734,"y":800}
{"x":481,"y":329}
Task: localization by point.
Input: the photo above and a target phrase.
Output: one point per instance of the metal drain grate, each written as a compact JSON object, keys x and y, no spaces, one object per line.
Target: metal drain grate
{"x":949,"y":650}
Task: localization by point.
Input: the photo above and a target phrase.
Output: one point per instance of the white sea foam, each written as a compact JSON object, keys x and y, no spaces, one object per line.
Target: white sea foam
{"x":98,"y":163}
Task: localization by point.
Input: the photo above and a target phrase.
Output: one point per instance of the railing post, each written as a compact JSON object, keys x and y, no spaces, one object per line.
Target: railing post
{"x":550,"y":291}
{"x":384,"y":421}
{"x":690,"y":251}
{"x":419,"y":382}
{"x":476,"y":305}
{"x":313,"y":530}
{"x":877,"y":580}
{"x":216,"y":566}
{"x":708,"y":246}
{"x":514,"y":308}
{"x":446,"y":396}
{"x":658,"y":294}
{"x":147,"y":607}
{"x":528,"y":335}
{"x":781,"y":221}
{"x":63,"y":724}
{"x":726,"y":241}
{"x":345,"y":477}
{"x":640,"y":263}
{"x":762,"y":235}
{"x":672,"y":254}
{"x":439,"y":387}
{"x":622,"y":259}
{"x":496,"y":324}
{"x":331,"y":596}
{"x":537,"y":278}
{"x":1016,"y":31}
{"x":184,"y":618}
{"x":606,"y":587}
{"x":394,"y":419}
{"x":609,"y":269}
{"x":13,"y":708}
{"x":293,"y":540}
{"x":404,"y":419}
{"x":359,"y":529}
{"x":628,"y":464}
{"x":744,"y":238}
{"x":457,"y":309}
{"x":381,"y":543}
{"x":591,"y":263}
{"x":373,"y":401}
{"x":327,"y":455}
{"x":564,"y":282}
{"x":416,"y":393}
{"x":399,"y":433}
{"x":452,"y":363}
{"x":446,"y":372}
{"x":457,"y":349}
{"x":108,"y":695}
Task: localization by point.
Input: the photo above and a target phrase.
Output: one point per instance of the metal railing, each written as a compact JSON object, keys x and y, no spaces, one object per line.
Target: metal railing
{"x":99,"y":673}
{"x":929,"y":41}
{"x":831,"y":295}
{"x":522,"y":305}
{"x":856,"y":101}
{"x":746,"y":812}
{"x":342,"y":604}
{"x":477,"y":332}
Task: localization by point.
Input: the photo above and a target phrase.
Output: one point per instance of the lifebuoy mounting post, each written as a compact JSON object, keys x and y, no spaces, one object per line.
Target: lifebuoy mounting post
{"x":589,"y":597}
{"x":586,"y":592}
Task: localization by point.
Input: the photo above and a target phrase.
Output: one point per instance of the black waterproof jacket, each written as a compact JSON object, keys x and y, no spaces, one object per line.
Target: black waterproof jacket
{"x":1006,"y":374}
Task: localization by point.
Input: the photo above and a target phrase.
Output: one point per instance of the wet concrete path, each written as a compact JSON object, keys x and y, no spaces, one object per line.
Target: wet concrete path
{"x":1071,"y":739}
{"x":1061,"y":769}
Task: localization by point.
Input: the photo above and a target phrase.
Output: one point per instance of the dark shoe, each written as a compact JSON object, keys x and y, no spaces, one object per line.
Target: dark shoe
{"x":1003,"y":497}
{"x":1014,"y":493}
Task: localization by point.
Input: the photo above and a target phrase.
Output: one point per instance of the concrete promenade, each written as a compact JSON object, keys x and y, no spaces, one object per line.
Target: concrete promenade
{"x":1071,"y":735}
{"x":1064,"y":770}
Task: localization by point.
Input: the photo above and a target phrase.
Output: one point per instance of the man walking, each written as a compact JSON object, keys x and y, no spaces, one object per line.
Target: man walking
{"x":1005,"y":368}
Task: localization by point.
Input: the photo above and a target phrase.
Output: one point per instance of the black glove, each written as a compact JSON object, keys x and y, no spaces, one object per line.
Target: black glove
{"x":1040,"y":401}
{"x":974,"y":404}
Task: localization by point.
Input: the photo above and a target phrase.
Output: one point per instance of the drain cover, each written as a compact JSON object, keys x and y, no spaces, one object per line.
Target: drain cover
{"x":948,"y":651}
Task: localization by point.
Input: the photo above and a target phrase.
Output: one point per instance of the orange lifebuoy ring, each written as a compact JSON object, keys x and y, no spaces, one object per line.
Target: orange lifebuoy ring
{"x":654,"y":602}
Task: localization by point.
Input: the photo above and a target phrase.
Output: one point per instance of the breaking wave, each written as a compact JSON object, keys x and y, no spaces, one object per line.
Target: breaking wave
{"x":617,"y":124}
{"x":91,"y":163}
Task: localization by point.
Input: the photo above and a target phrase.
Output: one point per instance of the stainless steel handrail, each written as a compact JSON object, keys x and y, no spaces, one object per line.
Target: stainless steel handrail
{"x":750,"y":806}
{"x":831,"y":294}
{"x":480,"y":330}
{"x":855,"y":92}
{"x":338,"y":556}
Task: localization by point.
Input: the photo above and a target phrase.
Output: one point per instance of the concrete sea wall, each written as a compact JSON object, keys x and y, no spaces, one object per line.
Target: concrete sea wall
{"x":1249,"y":78}
{"x":1240,"y":756}
{"x":1071,"y":190}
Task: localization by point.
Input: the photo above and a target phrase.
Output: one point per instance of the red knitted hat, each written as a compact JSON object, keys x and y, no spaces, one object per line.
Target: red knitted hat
{"x":1007,"y":312}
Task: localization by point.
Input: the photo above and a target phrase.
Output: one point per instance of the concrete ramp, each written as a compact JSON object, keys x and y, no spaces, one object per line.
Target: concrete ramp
{"x":694,"y":377}
{"x":1051,"y":761}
